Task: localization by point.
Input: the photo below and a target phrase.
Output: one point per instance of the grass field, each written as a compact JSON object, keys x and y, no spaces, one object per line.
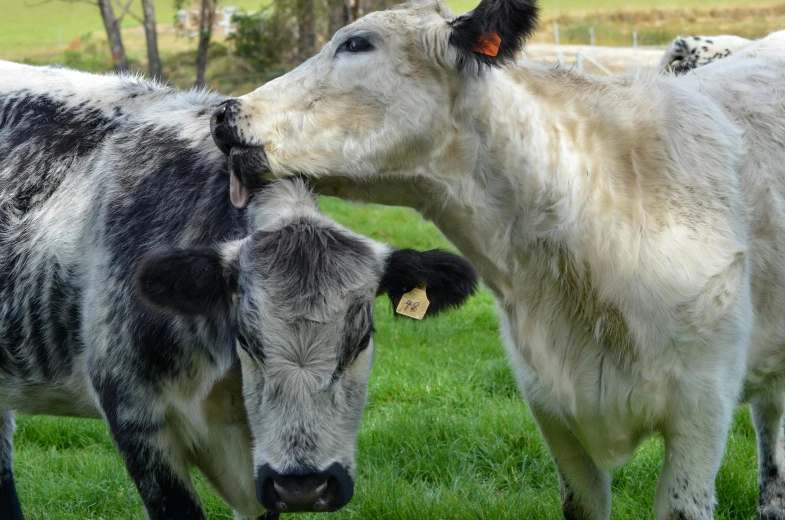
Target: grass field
{"x":445,"y":435}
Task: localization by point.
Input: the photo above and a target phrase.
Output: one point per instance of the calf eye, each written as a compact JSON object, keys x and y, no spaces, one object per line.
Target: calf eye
{"x":356,"y":44}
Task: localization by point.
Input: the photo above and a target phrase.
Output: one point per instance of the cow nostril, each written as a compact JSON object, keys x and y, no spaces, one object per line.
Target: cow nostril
{"x":328,"y":490}
{"x":303,"y":493}
{"x":218,"y":129}
{"x":219,"y":113}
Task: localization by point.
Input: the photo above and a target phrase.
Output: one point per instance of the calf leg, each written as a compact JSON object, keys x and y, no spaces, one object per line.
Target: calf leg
{"x":694,"y":445}
{"x":9,"y":501}
{"x":585,"y":488}
{"x":154,"y":457}
{"x":767,"y":410}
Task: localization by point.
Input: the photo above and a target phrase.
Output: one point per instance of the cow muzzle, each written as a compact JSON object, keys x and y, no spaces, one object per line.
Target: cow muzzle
{"x":247,"y":163}
{"x":323,"y":491}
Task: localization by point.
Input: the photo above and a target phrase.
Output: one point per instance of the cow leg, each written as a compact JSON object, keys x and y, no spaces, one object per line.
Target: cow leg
{"x":153,"y":455}
{"x":585,"y":488}
{"x":767,"y":410}
{"x":9,"y":501}
{"x":695,"y":439}
{"x":225,"y":458}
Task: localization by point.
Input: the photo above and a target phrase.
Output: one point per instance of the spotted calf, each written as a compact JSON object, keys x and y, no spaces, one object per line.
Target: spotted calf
{"x":236,"y":341}
{"x":686,"y":53}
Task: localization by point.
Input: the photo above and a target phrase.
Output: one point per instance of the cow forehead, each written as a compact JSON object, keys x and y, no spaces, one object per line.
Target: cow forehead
{"x":313,"y":270}
{"x":409,"y":16}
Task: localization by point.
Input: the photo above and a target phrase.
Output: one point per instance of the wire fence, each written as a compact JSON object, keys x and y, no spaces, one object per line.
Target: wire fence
{"x":597,"y":59}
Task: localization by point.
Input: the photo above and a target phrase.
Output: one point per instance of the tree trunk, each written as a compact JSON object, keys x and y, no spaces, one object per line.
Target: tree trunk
{"x":153,"y":59}
{"x":206,"y":19}
{"x":113,"y":33}
{"x":338,"y":14}
{"x":306,"y":44}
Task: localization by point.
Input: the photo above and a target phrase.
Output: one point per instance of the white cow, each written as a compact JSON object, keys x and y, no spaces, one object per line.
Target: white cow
{"x":631,"y":228}
{"x":686,"y":53}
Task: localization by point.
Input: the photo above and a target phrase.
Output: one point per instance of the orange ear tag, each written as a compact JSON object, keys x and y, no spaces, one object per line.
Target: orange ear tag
{"x":488,"y":44}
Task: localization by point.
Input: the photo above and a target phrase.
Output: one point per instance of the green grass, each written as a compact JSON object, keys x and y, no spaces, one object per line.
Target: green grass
{"x":445,"y":435}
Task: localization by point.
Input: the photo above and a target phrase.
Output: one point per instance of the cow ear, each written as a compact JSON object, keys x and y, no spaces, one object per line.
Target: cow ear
{"x":190,"y":282}
{"x":448,"y":278}
{"x":493,"y":33}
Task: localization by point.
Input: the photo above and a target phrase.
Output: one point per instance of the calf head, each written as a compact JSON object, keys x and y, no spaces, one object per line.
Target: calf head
{"x":301,"y":300}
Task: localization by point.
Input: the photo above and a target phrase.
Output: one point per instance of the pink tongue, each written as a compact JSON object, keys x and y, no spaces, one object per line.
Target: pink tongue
{"x":237,"y":192}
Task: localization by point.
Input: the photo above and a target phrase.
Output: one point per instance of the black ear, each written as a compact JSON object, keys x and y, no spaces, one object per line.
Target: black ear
{"x":192,"y":282}
{"x":493,"y":33}
{"x":449,"y":279}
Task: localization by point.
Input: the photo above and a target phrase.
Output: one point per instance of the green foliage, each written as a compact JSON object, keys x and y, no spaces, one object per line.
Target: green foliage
{"x":89,"y":55}
{"x":265,"y":39}
{"x":444,"y":436}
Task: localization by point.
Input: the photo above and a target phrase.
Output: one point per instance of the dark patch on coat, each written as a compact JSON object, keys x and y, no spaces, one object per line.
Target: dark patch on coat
{"x":53,"y":130}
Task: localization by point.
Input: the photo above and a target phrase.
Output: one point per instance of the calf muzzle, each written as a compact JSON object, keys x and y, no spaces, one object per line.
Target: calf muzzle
{"x":323,"y":491}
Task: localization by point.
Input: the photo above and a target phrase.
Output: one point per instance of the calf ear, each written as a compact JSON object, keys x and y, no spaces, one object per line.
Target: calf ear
{"x":493,"y":33}
{"x":448,"y":279}
{"x":192,"y":282}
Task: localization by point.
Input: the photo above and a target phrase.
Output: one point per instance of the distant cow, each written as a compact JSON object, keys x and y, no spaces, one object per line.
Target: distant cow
{"x":686,"y":53}
{"x":235,"y":341}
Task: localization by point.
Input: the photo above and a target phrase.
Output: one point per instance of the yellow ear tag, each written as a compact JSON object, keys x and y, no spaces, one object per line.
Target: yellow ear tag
{"x":414,"y":303}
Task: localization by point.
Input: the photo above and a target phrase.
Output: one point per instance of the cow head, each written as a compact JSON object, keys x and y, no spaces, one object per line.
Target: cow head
{"x":300,"y":296}
{"x":390,"y":96}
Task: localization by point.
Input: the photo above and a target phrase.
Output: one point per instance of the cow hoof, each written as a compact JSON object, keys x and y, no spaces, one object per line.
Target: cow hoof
{"x":770,"y":513}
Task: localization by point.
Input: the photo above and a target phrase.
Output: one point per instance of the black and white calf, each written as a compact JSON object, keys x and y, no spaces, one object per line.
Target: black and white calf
{"x":686,"y":53}
{"x":235,"y":341}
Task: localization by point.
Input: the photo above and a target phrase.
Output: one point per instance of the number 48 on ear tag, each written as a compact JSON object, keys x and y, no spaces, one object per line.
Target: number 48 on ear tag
{"x":414,"y":303}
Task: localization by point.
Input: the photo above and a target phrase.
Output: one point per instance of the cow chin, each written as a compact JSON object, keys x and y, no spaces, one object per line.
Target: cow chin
{"x":250,"y":165}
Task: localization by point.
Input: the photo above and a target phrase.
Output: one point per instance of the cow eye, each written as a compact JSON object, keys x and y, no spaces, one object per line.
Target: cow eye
{"x":364,"y":342}
{"x":356,"y":44}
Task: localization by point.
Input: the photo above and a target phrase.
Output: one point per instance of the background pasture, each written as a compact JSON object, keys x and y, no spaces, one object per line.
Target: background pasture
{"x":445,"y":435}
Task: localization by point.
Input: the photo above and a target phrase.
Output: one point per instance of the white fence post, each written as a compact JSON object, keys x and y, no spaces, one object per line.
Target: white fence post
{"x":579,"y":61}
{"x":558,"y":45}
{"x":635,"y":47}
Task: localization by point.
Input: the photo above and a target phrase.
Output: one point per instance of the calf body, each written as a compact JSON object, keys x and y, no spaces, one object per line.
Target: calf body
{"x":631,"y":227}
{"x":238,"y":342}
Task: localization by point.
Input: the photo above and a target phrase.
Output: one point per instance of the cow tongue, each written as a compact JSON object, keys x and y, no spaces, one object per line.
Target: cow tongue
{"x":237,"y":192}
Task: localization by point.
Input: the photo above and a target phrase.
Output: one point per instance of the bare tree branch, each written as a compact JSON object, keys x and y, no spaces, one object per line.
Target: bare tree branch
{"x":126,"y":10}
